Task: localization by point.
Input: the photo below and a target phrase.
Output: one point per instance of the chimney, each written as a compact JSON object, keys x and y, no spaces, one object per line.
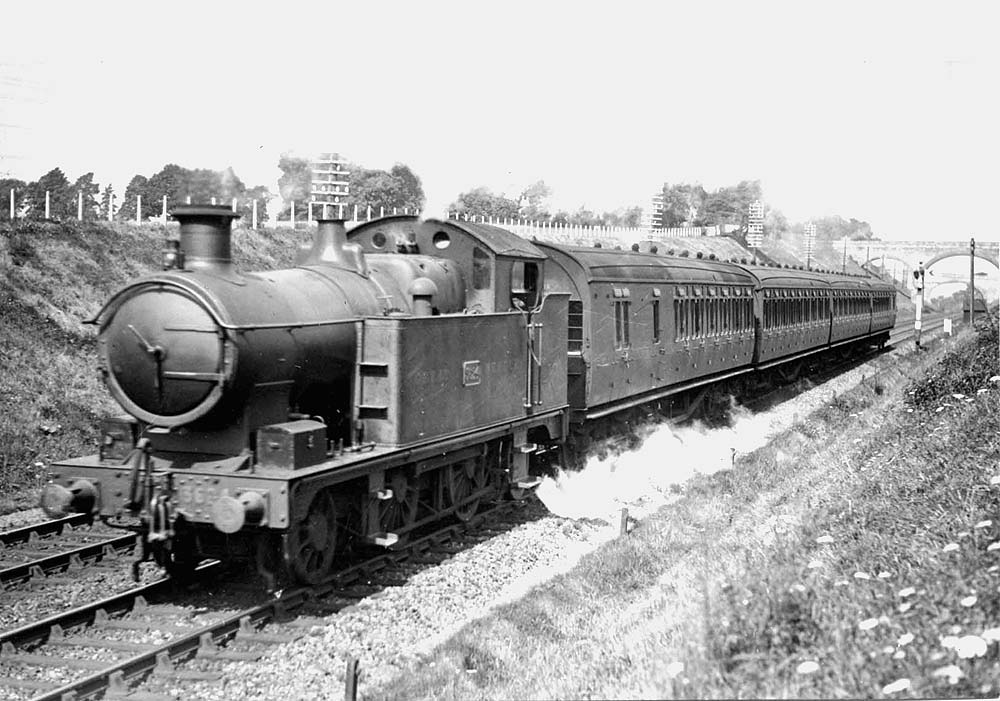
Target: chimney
{"x":206,"y":236}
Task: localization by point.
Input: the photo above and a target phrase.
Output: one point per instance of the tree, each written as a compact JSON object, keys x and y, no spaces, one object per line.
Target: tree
{"x":137,"y":186}
{"x":108,"y":203}
{"x":399,"y":187}
{"x":61,"y":203}
{"x":294,"y":183}
{"x":86,"y":187}
{"x":534,"y":201}
{"x":683,"y":205}
{"x":481,"y":202}
{"x":623,"y":216}
{"x":6,"y":185}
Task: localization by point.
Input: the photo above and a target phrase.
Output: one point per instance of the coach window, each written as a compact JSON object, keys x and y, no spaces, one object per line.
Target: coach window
{"x":656,"y":321}
{"x":621,"y":324}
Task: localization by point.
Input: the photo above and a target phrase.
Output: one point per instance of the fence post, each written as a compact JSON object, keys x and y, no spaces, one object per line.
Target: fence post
{"x":393,"y":211}
{"x":381,"y":211}
{"x":293,"y":214}
{"x":12,"y":204}
{"x":46,"y":204}
{"x":351,"y":679}
{"x":355,"y":212}
{"x":138,"y":209}
{"x":234,"y":204}
{"x":79,"y":205}
{"x":163,"y":212}
{"x":309,"y":212}
{"x":254,"y":216}
{"x":111,"y":206}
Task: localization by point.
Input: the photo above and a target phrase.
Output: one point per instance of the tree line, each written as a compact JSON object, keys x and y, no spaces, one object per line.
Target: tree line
{"x":399,"y":188}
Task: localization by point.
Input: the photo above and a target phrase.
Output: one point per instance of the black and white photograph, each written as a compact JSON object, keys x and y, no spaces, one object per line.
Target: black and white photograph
{"x":464,"y":350}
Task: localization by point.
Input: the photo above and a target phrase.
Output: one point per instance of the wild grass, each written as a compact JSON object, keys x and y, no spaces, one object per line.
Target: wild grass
{"x":53,"y":276}
{"x":849,"y":558}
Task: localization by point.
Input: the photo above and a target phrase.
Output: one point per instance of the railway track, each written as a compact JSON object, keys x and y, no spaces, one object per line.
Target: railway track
{"x":137,"y":638}
{"x":40,"y":550}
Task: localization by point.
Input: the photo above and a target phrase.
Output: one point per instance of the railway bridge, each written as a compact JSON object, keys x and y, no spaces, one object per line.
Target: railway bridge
{"x":901,"y":258}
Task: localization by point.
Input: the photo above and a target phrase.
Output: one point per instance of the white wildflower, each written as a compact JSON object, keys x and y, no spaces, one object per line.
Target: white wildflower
{"x":905,"y":639}
{"x":909,"y":411}
{"x":995,"y":479}
{"x":841,"y":583}
{"x":995,"y":378}
{"x":868,"y":623}
{"x":884,"y":575}
{"x":824,"y":539}
{"x":898,"y":685}
{"x":995,"y":545}
{"x":797,"y":587}
{"x":982,"y":390}
{"x":984,"y":524}
{"x":970,"y":646}
{"x":814,"y":564}
{"x":964,"y":534}
{"x":899,"y":654}
{"x":949,"y":641}
{"x":674,"y":668}
{"x":950,"y":547}
{"x":969,"y":601}
{"x":888,"y":649}
{"x":907,"y":591}
{"x":951,"y":671}
{"x":991,"y":635}
{"x":807,"y":667}
{"x":862,"y":575}
{"x":939,"y":409}
{"x":905,"y":606}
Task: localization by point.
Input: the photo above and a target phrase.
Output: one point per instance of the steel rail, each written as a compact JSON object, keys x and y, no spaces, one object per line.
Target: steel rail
{"x":91,"y":552}
{"x":24,"y":533}
{"x":344,"y":583}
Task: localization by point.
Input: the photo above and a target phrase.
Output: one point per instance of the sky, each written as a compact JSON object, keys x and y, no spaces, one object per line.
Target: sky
{"x":883,"y":111}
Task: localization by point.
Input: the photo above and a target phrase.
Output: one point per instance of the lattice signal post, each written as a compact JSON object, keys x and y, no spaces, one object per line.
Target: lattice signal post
{"x":810,"y":244}
{"x":330,"y":183}
{"x":755,"y":227}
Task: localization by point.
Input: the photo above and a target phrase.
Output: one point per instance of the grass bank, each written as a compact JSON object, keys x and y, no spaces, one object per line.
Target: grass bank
{"x":854,"y":556}
{"x":52,"y":277}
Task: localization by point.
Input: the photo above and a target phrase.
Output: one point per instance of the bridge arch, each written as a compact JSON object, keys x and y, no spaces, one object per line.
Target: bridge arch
{"x":963,"y":253}
{"x":979,"y":293}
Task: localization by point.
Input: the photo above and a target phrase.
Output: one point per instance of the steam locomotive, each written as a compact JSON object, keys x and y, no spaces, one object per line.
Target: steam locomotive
{"x":406,"y":371}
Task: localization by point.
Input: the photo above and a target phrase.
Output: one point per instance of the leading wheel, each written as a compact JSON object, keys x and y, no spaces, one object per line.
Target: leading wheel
{"x":462,"y":480}
{"x":311,"y":542}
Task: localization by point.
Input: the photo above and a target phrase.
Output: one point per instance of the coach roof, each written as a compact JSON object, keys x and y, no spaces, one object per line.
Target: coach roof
{"x":610,"y":265}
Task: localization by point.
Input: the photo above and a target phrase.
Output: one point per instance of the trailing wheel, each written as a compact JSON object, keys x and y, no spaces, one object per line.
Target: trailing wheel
{"x":399,"y":512}
{"x":311,"y":542}
{"x":462,"y":480}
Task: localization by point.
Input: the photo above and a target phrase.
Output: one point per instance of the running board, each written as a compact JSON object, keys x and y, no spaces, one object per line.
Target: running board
{"x":529,"y":483}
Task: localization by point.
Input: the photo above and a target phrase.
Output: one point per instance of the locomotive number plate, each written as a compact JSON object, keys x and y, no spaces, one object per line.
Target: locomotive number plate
{"x":471,"y":374}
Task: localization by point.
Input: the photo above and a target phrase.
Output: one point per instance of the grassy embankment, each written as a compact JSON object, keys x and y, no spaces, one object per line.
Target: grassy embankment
{"x":855,"y":556}
{"x":52,"y":277}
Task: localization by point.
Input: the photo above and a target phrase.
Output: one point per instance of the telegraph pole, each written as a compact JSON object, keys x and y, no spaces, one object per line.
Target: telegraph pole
{"x":755,"y":227}
{"x":919,"y":277}
{"x":810,"y":244}
{"x":972,"y":282}
{"x":329,"y":183}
